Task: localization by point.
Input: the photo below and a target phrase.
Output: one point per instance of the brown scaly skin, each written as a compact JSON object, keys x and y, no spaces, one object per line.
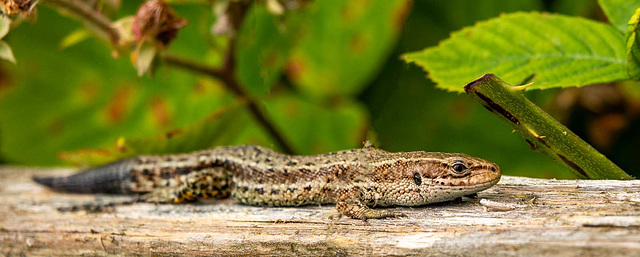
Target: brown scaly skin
{"x":355,"y":180}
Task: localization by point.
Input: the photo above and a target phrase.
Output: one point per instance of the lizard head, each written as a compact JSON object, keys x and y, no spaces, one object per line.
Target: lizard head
{"x":419,"y":178}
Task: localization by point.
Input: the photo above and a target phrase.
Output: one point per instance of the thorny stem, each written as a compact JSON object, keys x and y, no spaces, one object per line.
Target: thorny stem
{"x":85,"y":12}
{"x":541,"y":131}
{"x":225,"y":74}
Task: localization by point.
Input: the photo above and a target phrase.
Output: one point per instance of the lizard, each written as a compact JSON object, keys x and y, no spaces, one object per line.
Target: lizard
{"x":356,"y":180}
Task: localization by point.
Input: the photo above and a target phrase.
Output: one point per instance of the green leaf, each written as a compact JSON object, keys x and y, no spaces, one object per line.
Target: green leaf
{"x":449,"y":122}
{"x":221,"y":128}
{"x":123,"y":26}
{"x":619,"y":11}
{"x":5,"y":23}
{"x":99,"y":99}
{"x":345,"y":44}
{"x":274,"y":7}
{"x":6,"y":53}
{"x":5,"y":49}
{"x":633,"y":47}
{"x":143,"y":58}
{"x":74,"y":37}
{"x":560,"y":51}
{"x":311,"y":127}
{"x":315,"y":128}
{"x":262,"y":49}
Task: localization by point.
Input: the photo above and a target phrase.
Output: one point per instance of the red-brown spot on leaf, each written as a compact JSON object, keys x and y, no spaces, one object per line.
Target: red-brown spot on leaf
{"x":354,"y":9}
{"x":271,"y":60}
{"x":117,"y":106}
{"x":88,"y":92}
{"x":199,"y":88}
{"x":160,"y":111}
{"x":358,"y":43}
{"x":399,"y":15}
{"x":56,"y":126}
{"x":295,"y":68}
{"x":173,"y":133}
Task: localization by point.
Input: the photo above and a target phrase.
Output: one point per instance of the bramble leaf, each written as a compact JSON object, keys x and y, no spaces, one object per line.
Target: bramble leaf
{"x":262,"y":49}
{"x":74,"y":37}
{"x":220,"y":128}
{"x":558,"y":50}
{"x":5,"y":23}
{"x":318,"y":128}
{"x":619,"y":11}
{"x":6,"y":53}
{"x":633,"y":47}
{"x":143,"y":58}
{"x":344,"y":43}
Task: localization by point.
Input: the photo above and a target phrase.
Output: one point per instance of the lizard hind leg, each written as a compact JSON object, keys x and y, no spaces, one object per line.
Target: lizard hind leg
{"x":208,"y":183}
{"x":182,"y":194}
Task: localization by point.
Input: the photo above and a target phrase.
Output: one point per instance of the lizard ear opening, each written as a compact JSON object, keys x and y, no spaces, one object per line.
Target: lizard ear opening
{"x":417,"y":178}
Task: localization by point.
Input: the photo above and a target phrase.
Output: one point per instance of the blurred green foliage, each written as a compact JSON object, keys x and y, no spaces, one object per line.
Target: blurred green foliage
{"x":327,"y":76}
{"x":633,"y":46}
{"x":619,"y":12}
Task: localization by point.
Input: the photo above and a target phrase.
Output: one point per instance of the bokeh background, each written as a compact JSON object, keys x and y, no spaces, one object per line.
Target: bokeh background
{"x":338,"y":80}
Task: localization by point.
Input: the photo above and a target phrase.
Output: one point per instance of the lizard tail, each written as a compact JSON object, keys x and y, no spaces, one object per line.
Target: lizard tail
{"x":112,"y":178}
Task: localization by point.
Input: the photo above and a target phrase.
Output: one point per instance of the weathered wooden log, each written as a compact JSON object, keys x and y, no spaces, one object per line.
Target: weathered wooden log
{"x":519,"y":216}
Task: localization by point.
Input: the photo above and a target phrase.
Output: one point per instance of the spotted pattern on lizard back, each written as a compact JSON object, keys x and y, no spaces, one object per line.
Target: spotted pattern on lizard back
{"x":355,"y":180}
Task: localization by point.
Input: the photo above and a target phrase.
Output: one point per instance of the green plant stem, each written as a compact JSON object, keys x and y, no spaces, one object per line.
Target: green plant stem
{"x":541,"y":131}
{"x":230,"y":82}
{"x":88,"y":14}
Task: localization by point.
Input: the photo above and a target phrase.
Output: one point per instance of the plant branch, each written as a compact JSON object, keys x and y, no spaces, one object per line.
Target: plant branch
{"x":219,"y":74}
{"x":236,"y":12}
{"x":85,"y":12}
{"x":227,"y":76}
{"x":541,"y":131}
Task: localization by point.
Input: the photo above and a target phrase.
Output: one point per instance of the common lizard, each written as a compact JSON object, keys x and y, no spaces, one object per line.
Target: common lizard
{"x":355,"y":180}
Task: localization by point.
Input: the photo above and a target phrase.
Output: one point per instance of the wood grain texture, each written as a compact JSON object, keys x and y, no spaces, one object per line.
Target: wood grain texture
{"x":544,"y":217}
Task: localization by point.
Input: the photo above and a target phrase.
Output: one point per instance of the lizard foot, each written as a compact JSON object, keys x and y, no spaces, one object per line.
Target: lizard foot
{"x":358,"y":210}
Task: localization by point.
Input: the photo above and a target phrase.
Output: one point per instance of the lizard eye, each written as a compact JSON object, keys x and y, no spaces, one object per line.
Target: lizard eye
{"x":458,"y":167}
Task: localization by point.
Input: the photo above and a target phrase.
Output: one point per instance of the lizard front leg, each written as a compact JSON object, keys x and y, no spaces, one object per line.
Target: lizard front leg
{"x":350,"y":203}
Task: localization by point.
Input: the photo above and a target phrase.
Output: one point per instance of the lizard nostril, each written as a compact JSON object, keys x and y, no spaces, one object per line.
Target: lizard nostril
{"x":493,"y":168}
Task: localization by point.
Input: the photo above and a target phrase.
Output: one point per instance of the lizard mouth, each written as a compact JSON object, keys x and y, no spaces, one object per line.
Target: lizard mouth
{"x":477,"y":180}
{"x":469,"y":185}
{"x":494,"y":179}
{"x":489,"y":183}
{"x":456,"y":190}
